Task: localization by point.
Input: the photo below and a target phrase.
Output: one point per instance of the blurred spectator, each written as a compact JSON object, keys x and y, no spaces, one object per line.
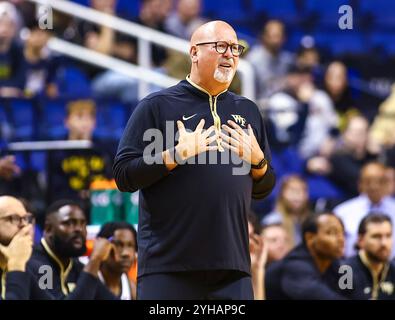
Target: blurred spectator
{"x":153,"y":14}
{"x":186,"y":19}
{"x":308,"y":57}
{"x":373,"y":187}
{"x":258,"y":254}
{"x":269,"y":61}
{"x":113,"y":85}
{"x":342,"y":165}
{"x":114,"y":271}
{"x":16,"y":240}
{"x":336,"y":86}
{"x":71,"y":172}
{"x":310,"y":271}
{"x":12,"y":63}
{"x":292,"y":208}
{"x":390,"y":174}
{"x":40,"y":62}
{"x":382,"y":131}
{"x":99,"y":38}
{"x":276,"y":239}
{"x":300,"y":115}
{"x":373,"y":276}
{"x":63,"y":242}
{"x":8,"y":167}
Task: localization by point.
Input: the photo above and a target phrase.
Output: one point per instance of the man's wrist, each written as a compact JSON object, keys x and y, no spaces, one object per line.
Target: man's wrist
{"x":260,"y":164}
{"x":16,"y":266}
{"x":179,"y":154}
{"x":93,"y":266}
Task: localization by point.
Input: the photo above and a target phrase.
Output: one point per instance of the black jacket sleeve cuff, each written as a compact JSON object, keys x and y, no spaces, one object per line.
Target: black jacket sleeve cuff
{"x":262,"y":188}
{"x":17,"y":285}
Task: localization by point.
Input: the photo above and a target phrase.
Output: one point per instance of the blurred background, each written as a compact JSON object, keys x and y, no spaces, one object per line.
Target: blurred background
{"x":71,"y":73}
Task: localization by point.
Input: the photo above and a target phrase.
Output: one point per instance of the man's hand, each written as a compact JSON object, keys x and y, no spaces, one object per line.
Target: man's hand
{"x":100,"y":253}
{"x":192,"y":143}
{"x":242,"y":143}
{"x":101,"y":249}
{"x":8,"y":168}
{"x":18,"y":252}
{"x":258,"y":253}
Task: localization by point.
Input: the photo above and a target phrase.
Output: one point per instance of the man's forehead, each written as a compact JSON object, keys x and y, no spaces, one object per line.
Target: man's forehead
{"x":70,"y":211}
{"x":378,"y":226}
{"x":328,"y":220}
{"x":11,"y":205}
{"x":123,"y":234}
{"x":214,"y":31}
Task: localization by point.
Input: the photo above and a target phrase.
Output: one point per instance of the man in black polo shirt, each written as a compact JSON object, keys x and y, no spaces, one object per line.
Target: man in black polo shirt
{"x":193,"y":231}
{"x":373,"y":274}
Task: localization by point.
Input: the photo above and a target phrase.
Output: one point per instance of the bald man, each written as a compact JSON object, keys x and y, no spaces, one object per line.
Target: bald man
{"x":373,"y":198}
{"x":16,"y":240}
{"x":196,"y":184}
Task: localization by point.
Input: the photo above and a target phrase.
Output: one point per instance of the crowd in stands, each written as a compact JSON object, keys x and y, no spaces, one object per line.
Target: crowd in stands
{"x":331,"y":133}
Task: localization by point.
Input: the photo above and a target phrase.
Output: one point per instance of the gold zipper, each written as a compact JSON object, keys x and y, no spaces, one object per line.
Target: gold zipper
{"x":63,"y":273}
{"x":213,"y":109}
{"x":3,"y":276}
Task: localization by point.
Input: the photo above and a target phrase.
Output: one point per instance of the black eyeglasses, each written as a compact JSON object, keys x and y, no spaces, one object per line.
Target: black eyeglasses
{"x":17,"y":220}
{"x":222,"y":46}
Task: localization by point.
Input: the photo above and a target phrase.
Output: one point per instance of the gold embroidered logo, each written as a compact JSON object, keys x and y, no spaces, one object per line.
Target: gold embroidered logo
{"x":387,"y":287}
{"x":239,"y":119}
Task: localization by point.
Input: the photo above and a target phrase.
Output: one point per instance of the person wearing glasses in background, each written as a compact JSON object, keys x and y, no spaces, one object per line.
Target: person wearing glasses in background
{"x":193,"y":230}
{"x":16,"y":241}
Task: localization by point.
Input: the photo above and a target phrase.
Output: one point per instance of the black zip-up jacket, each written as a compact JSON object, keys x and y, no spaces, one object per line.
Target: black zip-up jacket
{"x":14,"y":285}
{"x":296,"y":277}
{"x":364,"y":286}
{"x":194,"y":217}
{"x":51,"y":281}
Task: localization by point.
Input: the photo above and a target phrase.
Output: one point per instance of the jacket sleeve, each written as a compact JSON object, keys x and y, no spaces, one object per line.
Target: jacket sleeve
{"x":262,"y":188}
{"x":301,"y":281}
{"x":135,"y":168}
{"x":85,"y":289}
{"x":17,"y":286}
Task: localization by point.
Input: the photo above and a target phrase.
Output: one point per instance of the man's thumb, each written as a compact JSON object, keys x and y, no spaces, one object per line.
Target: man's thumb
{"x":3,"y":249}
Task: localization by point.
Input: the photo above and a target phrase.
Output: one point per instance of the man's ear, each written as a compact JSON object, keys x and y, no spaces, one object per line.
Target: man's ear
{"x":193,"y":54}
{"x":309,"y":238}
{"x":360,"y":242}
{"x":47,"y":227}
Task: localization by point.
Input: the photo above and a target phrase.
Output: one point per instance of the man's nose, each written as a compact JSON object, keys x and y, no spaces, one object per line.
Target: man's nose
{"x":228,"y":52}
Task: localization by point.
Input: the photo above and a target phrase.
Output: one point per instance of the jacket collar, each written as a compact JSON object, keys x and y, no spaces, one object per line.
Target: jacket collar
{"x":200,"y":91}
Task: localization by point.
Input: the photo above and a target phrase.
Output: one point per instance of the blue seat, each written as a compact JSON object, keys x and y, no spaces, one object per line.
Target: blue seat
{"x":83,"y":2}
{"x":342,"y":42}
{"x":111,"y":118}
{"x":72,"y":82}
{"x":383,"y":41}
{"x":52,"y":119}
{"x":38,"y":160}
{"x":21,"y":115}
{"x":382,"y":11}
{"x":321,"y":187}
{"x":284,"y":10}
{"x":223,"y":9}
{"x":128,"y":9}
{"x":326,"y":12}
